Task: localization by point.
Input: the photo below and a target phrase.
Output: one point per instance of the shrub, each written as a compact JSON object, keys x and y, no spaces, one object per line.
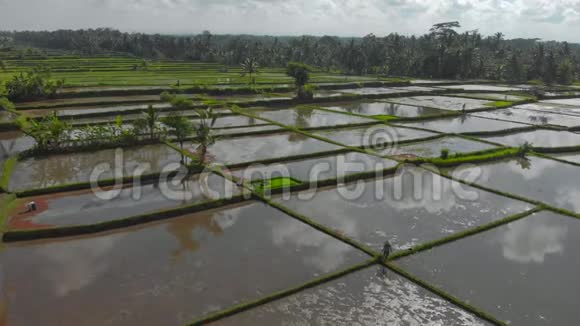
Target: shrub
{"x":300,"y":72}
{"x":444,"y":153}
{"x":33,"y":84}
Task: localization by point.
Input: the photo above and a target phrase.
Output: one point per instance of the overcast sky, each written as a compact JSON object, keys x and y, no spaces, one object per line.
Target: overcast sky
{"x":546,"y":19}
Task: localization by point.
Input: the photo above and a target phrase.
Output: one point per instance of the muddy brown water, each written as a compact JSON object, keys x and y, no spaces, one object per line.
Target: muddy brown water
{"x":168,"y":273}
{"x":52,"y":170}
{"x":117,"y":202}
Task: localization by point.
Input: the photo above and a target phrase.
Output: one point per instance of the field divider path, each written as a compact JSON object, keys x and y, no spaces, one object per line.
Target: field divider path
{"x":376,"y":257}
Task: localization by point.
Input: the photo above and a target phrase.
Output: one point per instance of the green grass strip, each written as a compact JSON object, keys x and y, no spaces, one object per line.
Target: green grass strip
{"x":463,"y":234}
{"x":275,"y":183}
{"x":7,"y":203}
{"x":450,"y":298}
{"x":500,"y":104}
{"x":66,"y":231}
{"x":7,"y":169}
{"x":493,"y":154}
{"x":280,"y":294}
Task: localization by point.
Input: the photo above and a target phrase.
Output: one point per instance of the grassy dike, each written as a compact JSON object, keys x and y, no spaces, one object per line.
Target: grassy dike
{"x":212,"y":317}
{"x":463,"y":234}
{"x":376,"y":257}
{"x":493,"y":154}
{"x":450,"y":298}
{"x":7,"y":169}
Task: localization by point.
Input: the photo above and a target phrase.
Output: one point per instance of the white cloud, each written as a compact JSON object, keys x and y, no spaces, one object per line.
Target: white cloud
{"x":548,"y":19}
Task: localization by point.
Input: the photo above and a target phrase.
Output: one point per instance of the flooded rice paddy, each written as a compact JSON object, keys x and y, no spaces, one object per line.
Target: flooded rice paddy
{"x":366,"y":136}
{"x":442,"y":102}
{"x":535,"y":178}
{"x":474,"y":87}
{"x":319,"y":168}
{"x":118,"y":202}
{"x":384,"y":109}
{"x":374,"y":295}
{"x":518,"y":269}
{"x":307,"y":117}
{"x":520,"y":114}
{"x":60,"y":169}
{"x":166,"y":273}
{"x":378,"y":211}
{"x":255,"y":148}
{"x":538,"y":138}
{"x":464,"y":124}
{"x":433,"y":148}
{"x":523,"y":272}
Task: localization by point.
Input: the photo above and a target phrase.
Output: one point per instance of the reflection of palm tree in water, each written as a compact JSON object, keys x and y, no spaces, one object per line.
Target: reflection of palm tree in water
{"x":296,"y":137}
{"x":182,"y":229}
{"x":392,"y":109}
{"x":57,"y":169}
{"x":524,"y":163}
{"x":251,"y":120}
{"x":303,"y":115}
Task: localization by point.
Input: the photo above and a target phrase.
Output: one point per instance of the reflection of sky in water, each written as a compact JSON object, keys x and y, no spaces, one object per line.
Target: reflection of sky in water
{"x":539,"y":138}
{"x":532,"y":241}
{"x":537,"y":178}
{"x":518,"y":114}
{"x":442,"y":102}
{"x":304,"y":118}
{"x":524,"y":272}
{"x":247,"y":149}
{"x":465,"y":123}
{"x":319,"y":168}
{"x":408,"y":209}
{"x":182,"y":265}
{"x":367,"y":297}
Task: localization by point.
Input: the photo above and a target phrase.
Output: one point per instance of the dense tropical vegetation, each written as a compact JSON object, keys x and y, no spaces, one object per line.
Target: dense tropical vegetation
{"x":441,"y":53}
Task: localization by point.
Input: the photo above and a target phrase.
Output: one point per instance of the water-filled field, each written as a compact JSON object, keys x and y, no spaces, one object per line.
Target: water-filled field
{"x":417,"y":203}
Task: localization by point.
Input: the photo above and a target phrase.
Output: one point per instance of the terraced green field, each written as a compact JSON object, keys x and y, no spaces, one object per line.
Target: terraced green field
{"x":419,"y":205}
{"x":80,"y":72}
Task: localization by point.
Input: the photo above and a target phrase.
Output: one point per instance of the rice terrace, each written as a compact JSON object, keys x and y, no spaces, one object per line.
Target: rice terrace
{"x":237,"y":179}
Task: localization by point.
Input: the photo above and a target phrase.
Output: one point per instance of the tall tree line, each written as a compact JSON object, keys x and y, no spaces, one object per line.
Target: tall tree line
{"x":442,"y":52}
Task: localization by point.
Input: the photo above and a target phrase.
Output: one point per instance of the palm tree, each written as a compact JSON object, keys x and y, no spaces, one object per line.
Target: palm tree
{"x":148,"y":121}
{"x":181,"y":128}
{"x":250,"y":66}
{"x":203,"y":131}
